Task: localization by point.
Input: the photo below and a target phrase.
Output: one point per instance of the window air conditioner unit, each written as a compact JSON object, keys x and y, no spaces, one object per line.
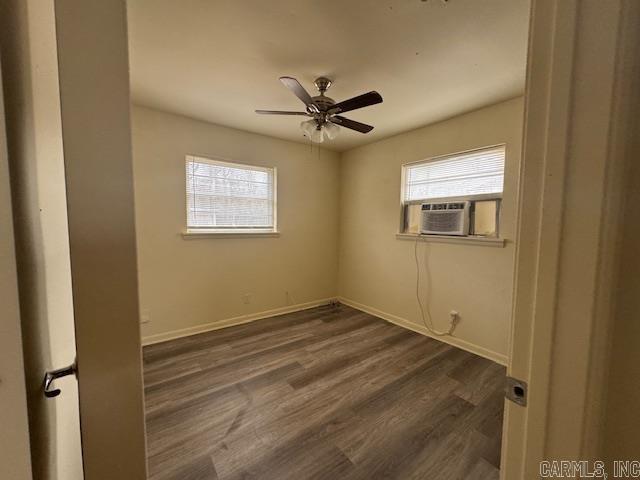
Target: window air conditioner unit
{"x":451,"y":218}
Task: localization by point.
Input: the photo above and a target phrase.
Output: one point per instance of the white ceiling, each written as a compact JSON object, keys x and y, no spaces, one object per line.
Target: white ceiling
{"x":219,"y":60}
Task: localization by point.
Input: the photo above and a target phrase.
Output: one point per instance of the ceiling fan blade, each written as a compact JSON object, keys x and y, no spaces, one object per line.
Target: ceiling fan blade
{"x":354,"y":103}
{"x":279,"y":112}
{"x":352,"y":124}
{"x":299,"y":91}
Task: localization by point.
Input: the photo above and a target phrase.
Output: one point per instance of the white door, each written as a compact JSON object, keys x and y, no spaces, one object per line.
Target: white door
{"x":34,"y":139}
{"x":15,"y":457}
{"x":65,"y":68}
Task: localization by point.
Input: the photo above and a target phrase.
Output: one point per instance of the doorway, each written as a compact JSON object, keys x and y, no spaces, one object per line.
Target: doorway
{"x":331,"y":230}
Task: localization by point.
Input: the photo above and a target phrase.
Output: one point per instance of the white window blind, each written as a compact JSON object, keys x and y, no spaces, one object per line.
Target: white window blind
{"x":479,"y":172}
{"x":227,"y":196}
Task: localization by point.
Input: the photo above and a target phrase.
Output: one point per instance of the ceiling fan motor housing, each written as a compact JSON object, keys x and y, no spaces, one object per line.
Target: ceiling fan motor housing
{"x":321,"y":101}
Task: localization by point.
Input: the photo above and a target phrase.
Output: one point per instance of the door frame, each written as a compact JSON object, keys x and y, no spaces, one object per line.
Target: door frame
{"x":582,"y":57}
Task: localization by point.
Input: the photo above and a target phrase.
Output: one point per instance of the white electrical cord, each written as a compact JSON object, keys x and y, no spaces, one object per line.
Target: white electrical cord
{"x":429,"y":326}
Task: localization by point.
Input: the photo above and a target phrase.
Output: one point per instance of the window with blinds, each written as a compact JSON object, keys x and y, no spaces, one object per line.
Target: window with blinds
{"x":227,"y":196}
{"x":475,"y":174}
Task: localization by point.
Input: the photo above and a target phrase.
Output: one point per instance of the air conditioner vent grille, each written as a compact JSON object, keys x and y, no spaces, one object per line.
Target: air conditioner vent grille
{"x":445,"y":218}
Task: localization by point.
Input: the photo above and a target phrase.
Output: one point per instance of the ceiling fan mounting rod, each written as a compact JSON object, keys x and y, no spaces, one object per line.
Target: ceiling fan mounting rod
{"x":322,"y":84}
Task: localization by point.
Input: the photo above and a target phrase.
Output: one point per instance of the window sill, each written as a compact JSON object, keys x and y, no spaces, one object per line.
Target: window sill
{"x":470,"y":240}
{"x":195,"y":234}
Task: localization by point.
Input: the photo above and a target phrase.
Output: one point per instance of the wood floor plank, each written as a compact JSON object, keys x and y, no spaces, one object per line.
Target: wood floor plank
{"x":327,"y":393}
{"x":200,"y":469}
{"x":483,"y":471}
{"x":374,"y":430}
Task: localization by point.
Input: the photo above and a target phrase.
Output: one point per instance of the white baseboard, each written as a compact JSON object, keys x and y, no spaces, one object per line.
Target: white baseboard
{"x":402,"y":322}
{"x":230,"y":322}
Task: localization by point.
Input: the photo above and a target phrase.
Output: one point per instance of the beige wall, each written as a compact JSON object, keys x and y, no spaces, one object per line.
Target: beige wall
{"x":377,"y":270}
{"x":191,"y":284}
{"x":187,"y":283}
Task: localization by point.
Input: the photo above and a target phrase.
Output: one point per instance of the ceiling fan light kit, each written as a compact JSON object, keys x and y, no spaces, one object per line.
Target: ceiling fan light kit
{"x":325,"y":121}
{"x":311,"y":130}
{"x":331,"y":130}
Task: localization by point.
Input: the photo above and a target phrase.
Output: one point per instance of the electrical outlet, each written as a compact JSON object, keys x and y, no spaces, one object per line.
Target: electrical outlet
{"x":246,"y":298}
{"x":145,"y":316}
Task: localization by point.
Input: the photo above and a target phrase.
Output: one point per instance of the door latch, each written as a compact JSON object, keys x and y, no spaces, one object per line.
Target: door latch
{"x":52,"y":375}
{"x":516,"y":391}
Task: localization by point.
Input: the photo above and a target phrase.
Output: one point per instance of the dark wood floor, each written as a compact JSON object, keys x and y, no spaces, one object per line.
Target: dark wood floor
{"x":329,"y":393}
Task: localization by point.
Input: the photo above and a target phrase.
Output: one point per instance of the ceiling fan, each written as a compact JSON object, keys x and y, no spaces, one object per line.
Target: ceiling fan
{"x":324,"y":111}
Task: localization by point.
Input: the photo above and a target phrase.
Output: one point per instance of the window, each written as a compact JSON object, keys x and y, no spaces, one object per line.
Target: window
{"x":229,"y":197}
{"x":480,"y":172}
{"x":476,"y":176}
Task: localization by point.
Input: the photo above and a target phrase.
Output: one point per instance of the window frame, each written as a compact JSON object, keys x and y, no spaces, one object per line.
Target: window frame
{"x":497,"y":197}
{"x":235,"y":231}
